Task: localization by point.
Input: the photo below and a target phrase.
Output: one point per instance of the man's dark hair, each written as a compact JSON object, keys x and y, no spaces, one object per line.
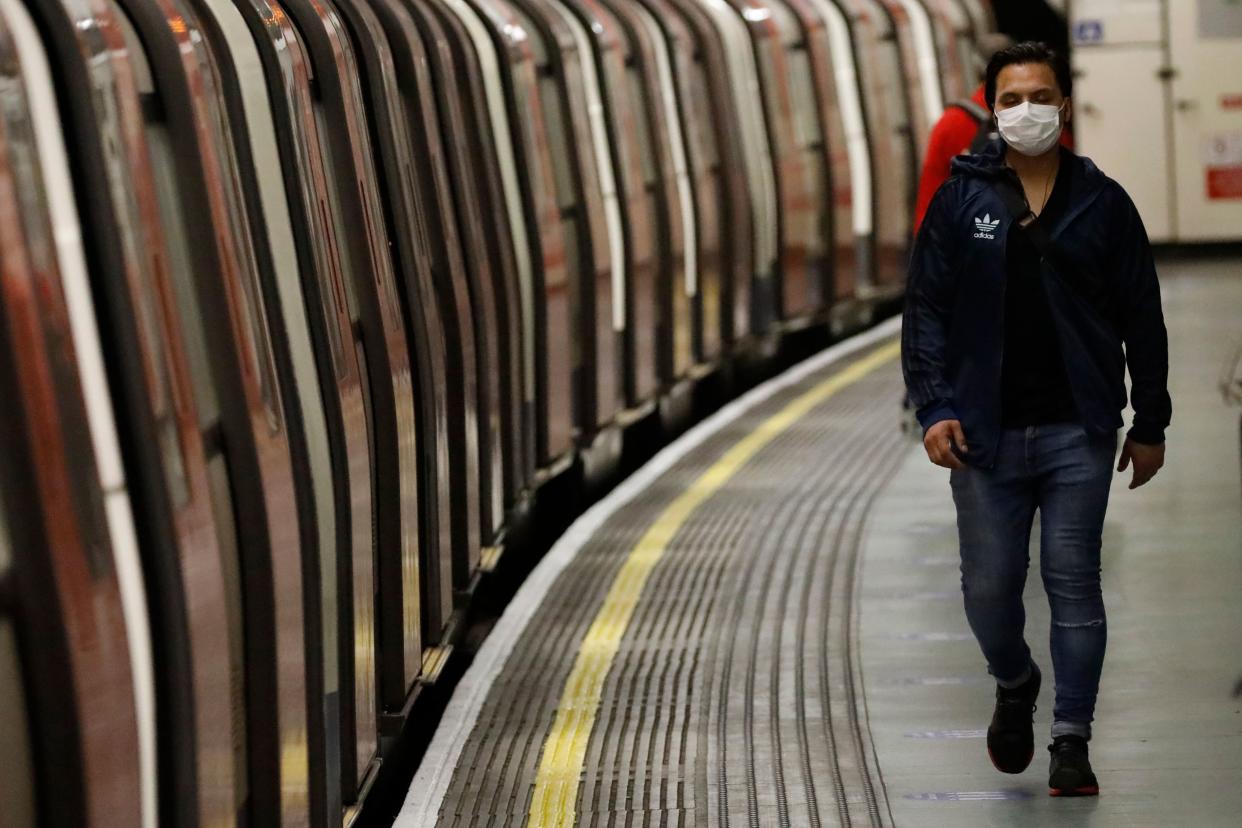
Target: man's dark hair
{"x":1030,"y":51}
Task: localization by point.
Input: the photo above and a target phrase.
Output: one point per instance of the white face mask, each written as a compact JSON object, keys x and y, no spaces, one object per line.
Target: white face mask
{"x":1029,"y":128}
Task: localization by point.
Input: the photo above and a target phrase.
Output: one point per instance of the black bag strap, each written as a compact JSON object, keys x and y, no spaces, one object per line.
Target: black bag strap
{"x":979,"y":113}
{"x":1015,"y":202}
{"x":1017,"y":207}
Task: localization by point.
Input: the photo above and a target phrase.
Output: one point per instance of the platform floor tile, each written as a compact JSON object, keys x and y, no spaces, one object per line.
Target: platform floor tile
{"x":1167,"y":745}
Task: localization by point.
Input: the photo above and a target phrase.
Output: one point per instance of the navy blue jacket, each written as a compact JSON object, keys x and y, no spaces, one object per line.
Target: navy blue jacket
{"x":1103,"y":294}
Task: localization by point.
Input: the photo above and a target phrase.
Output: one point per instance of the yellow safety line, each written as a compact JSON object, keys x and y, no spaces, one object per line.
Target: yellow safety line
{"x":564,"y":750}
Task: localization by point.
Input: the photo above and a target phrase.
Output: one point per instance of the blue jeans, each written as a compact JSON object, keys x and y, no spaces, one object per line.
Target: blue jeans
{"x":1066,"y":475}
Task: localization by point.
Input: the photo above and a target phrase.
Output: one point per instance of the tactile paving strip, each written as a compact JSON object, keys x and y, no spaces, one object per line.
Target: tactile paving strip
{"x":736,"y":697}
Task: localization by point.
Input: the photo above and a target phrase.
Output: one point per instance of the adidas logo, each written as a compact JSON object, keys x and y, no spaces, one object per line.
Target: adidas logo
{"x":986,"y":227}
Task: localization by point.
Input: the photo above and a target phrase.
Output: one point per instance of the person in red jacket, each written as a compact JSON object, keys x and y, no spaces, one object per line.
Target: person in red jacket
{"x":964,"y":127}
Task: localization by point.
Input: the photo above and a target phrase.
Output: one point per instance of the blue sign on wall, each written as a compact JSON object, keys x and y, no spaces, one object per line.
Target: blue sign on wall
{"x":1088,"y":31}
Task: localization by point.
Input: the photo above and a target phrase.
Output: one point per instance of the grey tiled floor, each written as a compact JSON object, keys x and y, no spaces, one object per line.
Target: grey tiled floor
{"x":1168,"y":732}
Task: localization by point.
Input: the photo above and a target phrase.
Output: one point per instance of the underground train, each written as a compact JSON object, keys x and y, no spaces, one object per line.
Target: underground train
{"x":302,"y":300}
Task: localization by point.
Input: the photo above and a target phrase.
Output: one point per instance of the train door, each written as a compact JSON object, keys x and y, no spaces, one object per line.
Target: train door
{"x":582,"y":164}
{"x":797,"y":141}
{"x":288,"y":73}
{"x":179,"y":479}
{"x":324,"y":468}
{"x":538,"y":124}
{"x":711,"y":120}
{"x":667,"y":171}
{"x":628,"y":132}
{"x":426,"y":257}
{"x":372,"y":288}
{"x":745,"y":86}
{"x":563,"y":369}
{"x":482,"y":264}
{"x":463,"y":80}
{"x":955,"y":48}
{"x":912,"y":27}
{"x":61,"y":567}
{"x":230,"y":343}
{"x":403,"y":103}
{"x":490,"y":51}
{"x":844,"y":142}
{"x":717,"y":188}
{"x":668,"y":159}
{"x":887,"y":108}
{"x":508,"y":194}
{"x":75,"y":655}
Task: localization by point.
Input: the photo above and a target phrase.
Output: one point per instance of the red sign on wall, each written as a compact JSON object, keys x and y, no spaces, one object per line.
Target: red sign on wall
{"x":1224,"y":182}
{"x":1222,"y":164}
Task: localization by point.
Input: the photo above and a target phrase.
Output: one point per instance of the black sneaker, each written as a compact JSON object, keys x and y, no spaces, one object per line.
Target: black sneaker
{"x":1011,"y":742}
{"x":1069,"y":773}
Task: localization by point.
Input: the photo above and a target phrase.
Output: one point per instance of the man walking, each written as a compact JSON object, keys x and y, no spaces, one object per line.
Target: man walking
{"x":1030,"y":272}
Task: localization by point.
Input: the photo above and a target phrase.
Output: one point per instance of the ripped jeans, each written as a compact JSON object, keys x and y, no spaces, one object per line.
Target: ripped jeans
{"x":1065,"y":474}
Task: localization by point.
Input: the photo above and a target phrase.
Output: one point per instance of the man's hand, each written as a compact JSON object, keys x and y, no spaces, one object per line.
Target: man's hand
{"x":940,"y":440}
{"x":1147,"y":461}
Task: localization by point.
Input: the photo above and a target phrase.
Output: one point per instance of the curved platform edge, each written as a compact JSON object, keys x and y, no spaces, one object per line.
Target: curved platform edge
{"x":431,"y":781}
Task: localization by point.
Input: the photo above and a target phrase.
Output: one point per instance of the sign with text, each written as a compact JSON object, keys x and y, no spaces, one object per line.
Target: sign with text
{"x":1222,"y":156}
{"x":1220,"y":19}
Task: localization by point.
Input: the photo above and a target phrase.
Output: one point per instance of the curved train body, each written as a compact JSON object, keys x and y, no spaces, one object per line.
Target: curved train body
{"x":303,"y":301}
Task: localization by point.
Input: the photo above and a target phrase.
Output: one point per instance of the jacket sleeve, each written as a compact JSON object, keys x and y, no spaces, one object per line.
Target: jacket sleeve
{"x":1142,"y":327}
{"x":929,"y":300}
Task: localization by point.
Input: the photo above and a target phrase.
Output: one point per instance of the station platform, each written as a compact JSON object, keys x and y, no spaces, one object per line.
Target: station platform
{"x":763,"y":627}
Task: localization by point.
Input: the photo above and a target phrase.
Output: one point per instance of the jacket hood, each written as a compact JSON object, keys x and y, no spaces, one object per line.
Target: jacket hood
{"x":1086,"y":180}
{"x":986,"y":164}
{"x":991,"y":163}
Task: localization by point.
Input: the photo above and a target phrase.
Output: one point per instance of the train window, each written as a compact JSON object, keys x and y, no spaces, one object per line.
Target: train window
{"x":235,"y":246}
{"x":143,"y":251}
{"x":17,"y":783}
{"x":848,"y":101}
{"x":332,"y":216}
{"x":554,"y":117}
{"x":980,"y":14}
{"x":230,"y":574}
{"x":951,"y":27}
{"x":922,"y":38}
{"x":333,"y":294}
{"x":701,"y":117}
{"x":310,"y":192}
{"x":177,"y":261}
{"x":624,"y":94}
{"x":805,"y":106}
{"x":296,"y":77}
{"x":769,"y":49}
{"x":551,"y":187}
{"x":235,"y":45}
{"x":638,"y":92}
{"x":258,"y":345}
{"x":678,"y":169}
{"x":497,"y":116}
{"x":75,"y":555}
{"x":6,"y":551}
